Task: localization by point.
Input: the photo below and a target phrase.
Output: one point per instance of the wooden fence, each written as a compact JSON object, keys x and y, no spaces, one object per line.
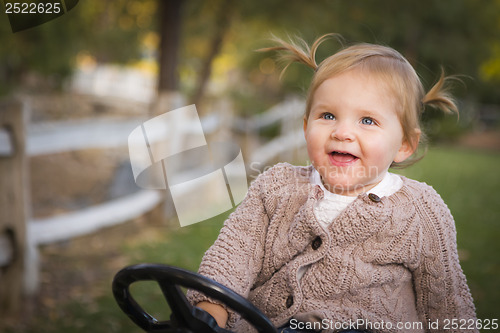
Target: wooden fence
{"x":21,"y":235}
{"x":12,"y":205}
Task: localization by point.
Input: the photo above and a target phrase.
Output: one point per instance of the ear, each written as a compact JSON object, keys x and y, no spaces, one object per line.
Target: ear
{"x":305,"y":125}
{"x":408,"y":148}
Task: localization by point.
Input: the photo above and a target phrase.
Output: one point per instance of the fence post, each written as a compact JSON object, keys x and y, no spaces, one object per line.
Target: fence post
{"x":12,"y":207}
{"x":166,"y":101}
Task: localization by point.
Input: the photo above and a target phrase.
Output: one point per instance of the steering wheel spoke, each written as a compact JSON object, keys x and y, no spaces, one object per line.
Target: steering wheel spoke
{"x":181,"y":309}
{"x":185,"y":317}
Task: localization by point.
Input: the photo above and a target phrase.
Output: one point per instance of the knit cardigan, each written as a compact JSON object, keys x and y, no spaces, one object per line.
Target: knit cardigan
{"x":391,"y":262}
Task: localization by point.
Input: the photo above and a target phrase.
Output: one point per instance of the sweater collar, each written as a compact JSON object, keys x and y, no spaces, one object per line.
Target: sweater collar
{"x":361,"y":219}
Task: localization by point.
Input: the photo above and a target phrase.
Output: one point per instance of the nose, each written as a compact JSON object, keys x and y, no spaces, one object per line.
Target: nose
{"x":343,"y":132}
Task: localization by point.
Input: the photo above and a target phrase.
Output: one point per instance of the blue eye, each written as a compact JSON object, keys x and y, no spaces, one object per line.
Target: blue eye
{"x":367,"y":121}
{"x":328,"y":116}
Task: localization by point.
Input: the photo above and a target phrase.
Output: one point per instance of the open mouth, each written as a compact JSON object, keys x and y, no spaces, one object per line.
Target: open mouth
{"x":342,"y":158}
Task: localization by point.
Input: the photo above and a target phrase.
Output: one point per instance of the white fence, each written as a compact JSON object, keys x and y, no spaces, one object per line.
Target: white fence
{"x":289,"y":115}
{"x":55,"y":137}
{"x":115,"y":81}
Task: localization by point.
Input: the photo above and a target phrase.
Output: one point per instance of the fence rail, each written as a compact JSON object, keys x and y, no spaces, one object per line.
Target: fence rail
{"x":88,"y":220}
{"x":288,"y":114}
{"x":62,"y":136}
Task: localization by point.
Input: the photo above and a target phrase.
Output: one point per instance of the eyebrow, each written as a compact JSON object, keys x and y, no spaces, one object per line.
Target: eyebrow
{"x":322,"y":108}
{"x":371,"y":113}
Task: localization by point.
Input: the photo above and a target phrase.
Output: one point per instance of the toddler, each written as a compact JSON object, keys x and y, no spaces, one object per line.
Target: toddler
{"x":344,"y":245}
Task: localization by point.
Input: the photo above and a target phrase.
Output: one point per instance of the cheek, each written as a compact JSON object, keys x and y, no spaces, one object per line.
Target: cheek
{"x":381,"y":151}
{"x":312,"y":151}
{"x":314,"y":148}
{"x":311,"y":141}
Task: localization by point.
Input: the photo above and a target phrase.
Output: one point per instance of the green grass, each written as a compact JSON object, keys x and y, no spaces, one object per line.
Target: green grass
{"x":181,"y":247}
{"x":468,"y":182}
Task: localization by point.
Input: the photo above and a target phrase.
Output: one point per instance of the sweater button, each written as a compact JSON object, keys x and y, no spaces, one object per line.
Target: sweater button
{"x":373,"y":197}
{"x":289,"y":301}
{"x":316,"y":243}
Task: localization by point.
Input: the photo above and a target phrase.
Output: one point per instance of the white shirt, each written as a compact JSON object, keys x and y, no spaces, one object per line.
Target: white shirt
{"x":328,"y":208}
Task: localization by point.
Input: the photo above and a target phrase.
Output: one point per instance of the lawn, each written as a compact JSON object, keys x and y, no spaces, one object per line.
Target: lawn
{"x":466,"y":180}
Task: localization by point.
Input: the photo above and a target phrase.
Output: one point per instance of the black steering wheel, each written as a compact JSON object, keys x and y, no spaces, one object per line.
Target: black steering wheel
{"x":185,"y":318}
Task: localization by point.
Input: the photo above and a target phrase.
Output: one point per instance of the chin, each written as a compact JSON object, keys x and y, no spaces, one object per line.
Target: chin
{"x":340,"y":186}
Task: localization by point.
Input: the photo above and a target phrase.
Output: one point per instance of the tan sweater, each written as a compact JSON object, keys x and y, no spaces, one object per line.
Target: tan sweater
{"x":389,"y":262}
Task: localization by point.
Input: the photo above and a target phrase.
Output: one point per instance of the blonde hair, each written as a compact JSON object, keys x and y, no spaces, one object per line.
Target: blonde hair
{"x":385,"y":62}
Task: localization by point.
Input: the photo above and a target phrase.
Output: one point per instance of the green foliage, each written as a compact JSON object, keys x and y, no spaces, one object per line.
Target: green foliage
{"x":110,"y":31}
{"x":458,"y":35}
{"x":440,"y":127}
{"x":461,"y":35}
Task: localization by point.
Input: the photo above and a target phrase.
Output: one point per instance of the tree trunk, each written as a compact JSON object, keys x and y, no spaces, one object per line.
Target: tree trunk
{"x":169,"y":97}
{"x":223,"y":21}
{"x":170,"y":30}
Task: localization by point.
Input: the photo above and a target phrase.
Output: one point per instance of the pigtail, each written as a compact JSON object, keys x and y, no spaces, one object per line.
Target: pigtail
{"x":439,"y":96}
{"x":298,"y":50}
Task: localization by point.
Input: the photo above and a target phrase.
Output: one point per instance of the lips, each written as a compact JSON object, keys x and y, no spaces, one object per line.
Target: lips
{"x":342,"y":158}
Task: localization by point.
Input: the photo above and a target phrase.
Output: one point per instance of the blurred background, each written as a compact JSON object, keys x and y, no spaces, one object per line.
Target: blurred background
{"x":72,"y":90}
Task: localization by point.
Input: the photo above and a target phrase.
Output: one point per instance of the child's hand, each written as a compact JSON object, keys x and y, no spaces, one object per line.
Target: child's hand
{"x":216,"y":311}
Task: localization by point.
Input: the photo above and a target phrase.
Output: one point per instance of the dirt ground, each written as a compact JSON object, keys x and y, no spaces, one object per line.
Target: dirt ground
{"x":489,"y":140}
{"x":81,"y":269}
